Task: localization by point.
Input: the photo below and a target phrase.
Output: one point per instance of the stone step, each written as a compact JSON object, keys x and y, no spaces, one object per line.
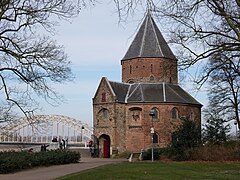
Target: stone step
{"x":134,"y":157}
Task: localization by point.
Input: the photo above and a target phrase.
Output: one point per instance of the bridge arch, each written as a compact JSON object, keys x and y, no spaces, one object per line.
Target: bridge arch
{"x":43,"y":128}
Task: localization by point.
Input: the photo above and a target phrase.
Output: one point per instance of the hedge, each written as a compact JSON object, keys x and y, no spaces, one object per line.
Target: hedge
{"x":16,"y":161}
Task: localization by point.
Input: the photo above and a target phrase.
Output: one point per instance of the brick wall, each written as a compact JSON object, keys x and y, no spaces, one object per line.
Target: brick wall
{"x":128,"y":125}
{"x":149,"y":70}
{"x":138,"y":134}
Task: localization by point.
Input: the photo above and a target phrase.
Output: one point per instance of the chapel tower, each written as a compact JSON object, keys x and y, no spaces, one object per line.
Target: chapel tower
{"x":149,"y":58}
{"x":121,"y":110}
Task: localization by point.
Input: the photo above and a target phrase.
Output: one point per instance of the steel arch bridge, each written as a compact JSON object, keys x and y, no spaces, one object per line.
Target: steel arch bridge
{"x":45,"y":128}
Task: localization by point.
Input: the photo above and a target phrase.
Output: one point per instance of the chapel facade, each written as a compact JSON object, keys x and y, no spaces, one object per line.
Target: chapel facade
{"x":148,"y":98}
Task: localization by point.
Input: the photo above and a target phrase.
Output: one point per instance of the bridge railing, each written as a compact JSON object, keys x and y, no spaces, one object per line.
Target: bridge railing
{"x":44,"y":128}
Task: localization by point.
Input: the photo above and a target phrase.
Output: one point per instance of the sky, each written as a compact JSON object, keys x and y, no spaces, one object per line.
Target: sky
{"x":95,"y":43}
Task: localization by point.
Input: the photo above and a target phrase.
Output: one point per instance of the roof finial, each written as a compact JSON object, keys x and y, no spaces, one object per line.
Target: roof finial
{"x":149,"y":7}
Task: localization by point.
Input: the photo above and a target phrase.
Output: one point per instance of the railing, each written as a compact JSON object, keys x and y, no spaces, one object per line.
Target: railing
{"x":45,"y":128}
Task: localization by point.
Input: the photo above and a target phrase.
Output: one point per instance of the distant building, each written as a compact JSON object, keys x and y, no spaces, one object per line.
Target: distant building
{"x":149,"y":83}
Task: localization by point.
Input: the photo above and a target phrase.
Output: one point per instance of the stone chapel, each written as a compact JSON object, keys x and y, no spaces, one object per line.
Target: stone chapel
{"x":147,"y":106}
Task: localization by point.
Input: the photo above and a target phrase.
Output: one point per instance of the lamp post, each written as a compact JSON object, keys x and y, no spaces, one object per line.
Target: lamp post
{"x":81,"y":133}
{"x":152,"y":114}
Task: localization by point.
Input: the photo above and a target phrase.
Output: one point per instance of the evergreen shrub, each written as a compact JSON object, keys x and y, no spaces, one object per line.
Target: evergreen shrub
{"x":16,"y":161}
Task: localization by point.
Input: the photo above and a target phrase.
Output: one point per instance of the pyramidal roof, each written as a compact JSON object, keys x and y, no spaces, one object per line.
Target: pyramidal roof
{"x":149,"y":42}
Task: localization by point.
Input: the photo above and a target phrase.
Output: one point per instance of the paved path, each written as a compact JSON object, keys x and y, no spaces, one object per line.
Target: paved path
{"x":52,"y":172}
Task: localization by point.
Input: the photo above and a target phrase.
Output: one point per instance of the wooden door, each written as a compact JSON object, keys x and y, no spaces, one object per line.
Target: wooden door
{"x":106,"y":149}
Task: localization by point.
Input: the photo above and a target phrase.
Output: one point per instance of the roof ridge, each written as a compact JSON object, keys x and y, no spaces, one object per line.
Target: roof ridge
{"x":164,"y":92}
{"x":155,"y":34}
{"x":110,"y":86}
{"x":138,"y":84}
{"x":129,"y":88}
{"x":143,"y":38}
{"x":142,"y":93}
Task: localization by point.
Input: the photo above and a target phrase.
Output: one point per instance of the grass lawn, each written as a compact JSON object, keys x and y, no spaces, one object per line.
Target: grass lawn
{"x":162,"y":170}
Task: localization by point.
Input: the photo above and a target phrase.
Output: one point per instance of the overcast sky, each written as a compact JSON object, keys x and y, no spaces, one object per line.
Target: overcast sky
{"x":95,"y":43}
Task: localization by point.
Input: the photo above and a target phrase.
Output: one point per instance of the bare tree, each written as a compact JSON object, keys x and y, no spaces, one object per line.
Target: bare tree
{"x":224,"y":89}
{"x":205,"y":33}
{"x":201,"y":28}
{"x":30,"y":60}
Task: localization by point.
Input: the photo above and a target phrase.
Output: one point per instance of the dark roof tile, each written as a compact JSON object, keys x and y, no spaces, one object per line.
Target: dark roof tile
{"x":149,"y":42}
{"x":120,"y":90}
{"x":136,"y":95}
{"x":151,"y":92}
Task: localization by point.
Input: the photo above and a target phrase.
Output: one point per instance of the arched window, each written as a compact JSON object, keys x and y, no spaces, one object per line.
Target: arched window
{"x":103,"y":113}
{"x":155,"y":138}
{"x":130,"y":81}
{"x":191,"y":116}
{"x":155,"y":115}
{"x":103,"y":116}
{"x":174,"y":113}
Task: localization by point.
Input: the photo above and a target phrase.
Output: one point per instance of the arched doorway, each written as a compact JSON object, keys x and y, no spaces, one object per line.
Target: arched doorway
{"x":104,"y":143}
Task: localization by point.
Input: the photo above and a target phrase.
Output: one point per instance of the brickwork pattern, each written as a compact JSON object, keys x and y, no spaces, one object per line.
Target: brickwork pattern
{"x":149,"y":70}
{"x":128,"y":125}
{"x":139,"y":136}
